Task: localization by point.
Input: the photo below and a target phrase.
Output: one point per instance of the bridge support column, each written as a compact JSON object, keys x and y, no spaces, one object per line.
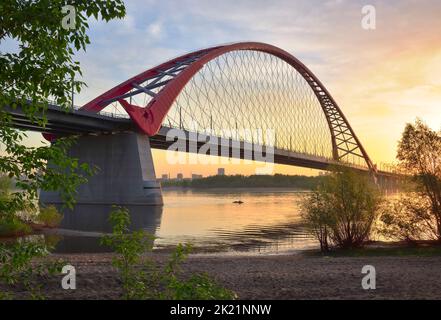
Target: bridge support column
{"x":126,"y":174}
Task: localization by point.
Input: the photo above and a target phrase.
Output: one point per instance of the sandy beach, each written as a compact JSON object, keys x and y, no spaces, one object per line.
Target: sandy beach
{"x":290,"y":276}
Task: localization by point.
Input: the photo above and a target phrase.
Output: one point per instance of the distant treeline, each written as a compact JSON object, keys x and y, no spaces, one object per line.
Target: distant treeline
{"x":254,"y":181}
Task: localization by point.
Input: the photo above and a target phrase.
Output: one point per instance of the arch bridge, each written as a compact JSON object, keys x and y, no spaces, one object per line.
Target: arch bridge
{"x":222,"y":91}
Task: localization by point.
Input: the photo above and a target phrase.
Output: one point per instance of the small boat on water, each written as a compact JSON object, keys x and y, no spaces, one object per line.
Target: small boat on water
{"x":238,"y":201}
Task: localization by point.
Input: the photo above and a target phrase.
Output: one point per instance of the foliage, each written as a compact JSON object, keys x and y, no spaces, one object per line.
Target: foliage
{"x":199,"y":287}
{"x":253,"y":181}
{"x":18,"y":272}
{"x":129,"y":247}
{"x":42,"y":65}
{"x":407,"y":218}
{"x":39,"y":67}
{"x":28,"y":167}
{"x":5,"y":188}
{"x":5,"y":193}
{"x":342,"y":210}
{"x":317,"y":217}
{"x":419,"y":152}
{"x":12,"y":226}
{"x":142,"y":278}
{"x":195,"y":287}
{"x":49,"y":216}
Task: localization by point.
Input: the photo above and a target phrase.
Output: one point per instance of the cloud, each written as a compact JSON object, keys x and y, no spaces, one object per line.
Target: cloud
{"x":155,"y":29}
{"x":381,"y":78}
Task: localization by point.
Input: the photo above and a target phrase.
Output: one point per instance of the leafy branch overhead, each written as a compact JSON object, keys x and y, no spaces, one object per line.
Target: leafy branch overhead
{"x":38,"y":64}
{"x":43,"y":64}
{"x":40,"y":67}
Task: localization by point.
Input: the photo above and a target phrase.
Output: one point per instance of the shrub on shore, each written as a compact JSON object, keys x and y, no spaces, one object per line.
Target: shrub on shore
{"x":342,"y":210}
{"x":142,"y":278}
{"x":49,"y":217}
{"x":23,"y":266}
{"x":13,"y":226}
{"x":10,"y":223}
{"x":413,"y":216}
{"x":419,"y":153}
{"x":407,"y":218}
{"x":5,"y":187}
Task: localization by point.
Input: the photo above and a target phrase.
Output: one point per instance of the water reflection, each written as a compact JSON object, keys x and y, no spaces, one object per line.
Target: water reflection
{"x":83,"y":226}
{"x":268,"y":220}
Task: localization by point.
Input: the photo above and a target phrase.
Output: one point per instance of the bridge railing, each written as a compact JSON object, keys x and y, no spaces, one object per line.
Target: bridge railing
{"x":103,"y":113}
{"x":392,"y":168}
{"x":383,"y":167}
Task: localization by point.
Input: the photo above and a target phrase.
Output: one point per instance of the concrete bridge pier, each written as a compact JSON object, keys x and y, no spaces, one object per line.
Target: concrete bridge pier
{"x":126,"y":174}
{"x":389,"y":183}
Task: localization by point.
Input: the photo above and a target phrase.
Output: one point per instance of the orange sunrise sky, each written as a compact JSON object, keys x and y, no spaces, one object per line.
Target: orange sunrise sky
{"x":380,"y":78}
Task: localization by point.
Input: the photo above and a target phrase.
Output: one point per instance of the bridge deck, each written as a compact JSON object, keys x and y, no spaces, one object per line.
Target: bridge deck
{"x":77,"y":122}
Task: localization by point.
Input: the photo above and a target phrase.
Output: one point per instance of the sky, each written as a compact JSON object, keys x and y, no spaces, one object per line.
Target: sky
{"x":380,"y":78}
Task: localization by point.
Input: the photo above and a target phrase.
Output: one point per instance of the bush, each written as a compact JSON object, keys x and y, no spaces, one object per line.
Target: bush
{"x":49,"y":216}
{"x":13,"y":226}
{"x":5,"y":187}
{"x":22,"y":264}
{"x":199,"y":287}
{"x":341,"y":212}
{"x":5,"y":195}
{"x":419,"y":153}
{"x":129,"y":248}
{"x":142,"y":278}
{"x":317,"y":217}
{"x":407,"y":218}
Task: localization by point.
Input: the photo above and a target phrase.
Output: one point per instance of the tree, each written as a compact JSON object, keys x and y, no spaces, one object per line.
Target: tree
{"x":407,"y":218}
{"x":319,"y":221}
{"x":5,"y":188}
{"x":42,"y":67}
{"x":419,"y":152}
{"x":342,"y":210}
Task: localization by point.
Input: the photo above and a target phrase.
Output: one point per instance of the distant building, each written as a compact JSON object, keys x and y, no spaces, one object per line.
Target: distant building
{"x":196,"y":176}
{"x":220,"y":171}
{"x":180,"y":176}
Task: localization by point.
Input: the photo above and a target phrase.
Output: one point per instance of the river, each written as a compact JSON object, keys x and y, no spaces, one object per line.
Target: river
{"x":267,"y":221}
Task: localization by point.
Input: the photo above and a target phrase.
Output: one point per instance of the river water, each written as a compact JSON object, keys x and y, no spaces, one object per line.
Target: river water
{"x":268,"y":221}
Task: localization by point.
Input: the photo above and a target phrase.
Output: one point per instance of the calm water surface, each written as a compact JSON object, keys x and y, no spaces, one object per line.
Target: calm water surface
{"x":268,"y":221}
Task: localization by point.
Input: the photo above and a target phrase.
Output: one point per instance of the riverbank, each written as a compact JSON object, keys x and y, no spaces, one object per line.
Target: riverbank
{"x":252,"y":181}
{"x":237,"y":190}
{"x":288,"y":276}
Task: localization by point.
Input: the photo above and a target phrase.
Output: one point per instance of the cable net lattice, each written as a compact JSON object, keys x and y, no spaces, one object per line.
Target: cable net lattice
{"x":243,"y":92}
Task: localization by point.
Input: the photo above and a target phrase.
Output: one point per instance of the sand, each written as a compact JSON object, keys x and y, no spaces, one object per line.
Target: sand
{"x":290,"y":276}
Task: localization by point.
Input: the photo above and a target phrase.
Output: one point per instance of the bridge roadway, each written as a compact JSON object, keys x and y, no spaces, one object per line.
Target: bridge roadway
{"x":63,"y":122}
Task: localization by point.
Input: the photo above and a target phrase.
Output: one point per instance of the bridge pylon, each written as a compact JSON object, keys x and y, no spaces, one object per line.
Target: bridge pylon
{"x":125,"y":176}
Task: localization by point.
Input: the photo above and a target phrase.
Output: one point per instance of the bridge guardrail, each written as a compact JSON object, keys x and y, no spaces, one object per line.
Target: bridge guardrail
{"x":103,"y":113}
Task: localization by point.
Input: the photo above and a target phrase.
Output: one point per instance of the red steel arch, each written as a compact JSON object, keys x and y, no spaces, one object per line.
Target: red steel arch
{"x":150,"y":118}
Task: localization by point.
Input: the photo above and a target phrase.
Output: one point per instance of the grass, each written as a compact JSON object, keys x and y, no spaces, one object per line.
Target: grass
{"x":387,"y":250}
{"x":49,"y":217}
{"x":12,"y":227}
